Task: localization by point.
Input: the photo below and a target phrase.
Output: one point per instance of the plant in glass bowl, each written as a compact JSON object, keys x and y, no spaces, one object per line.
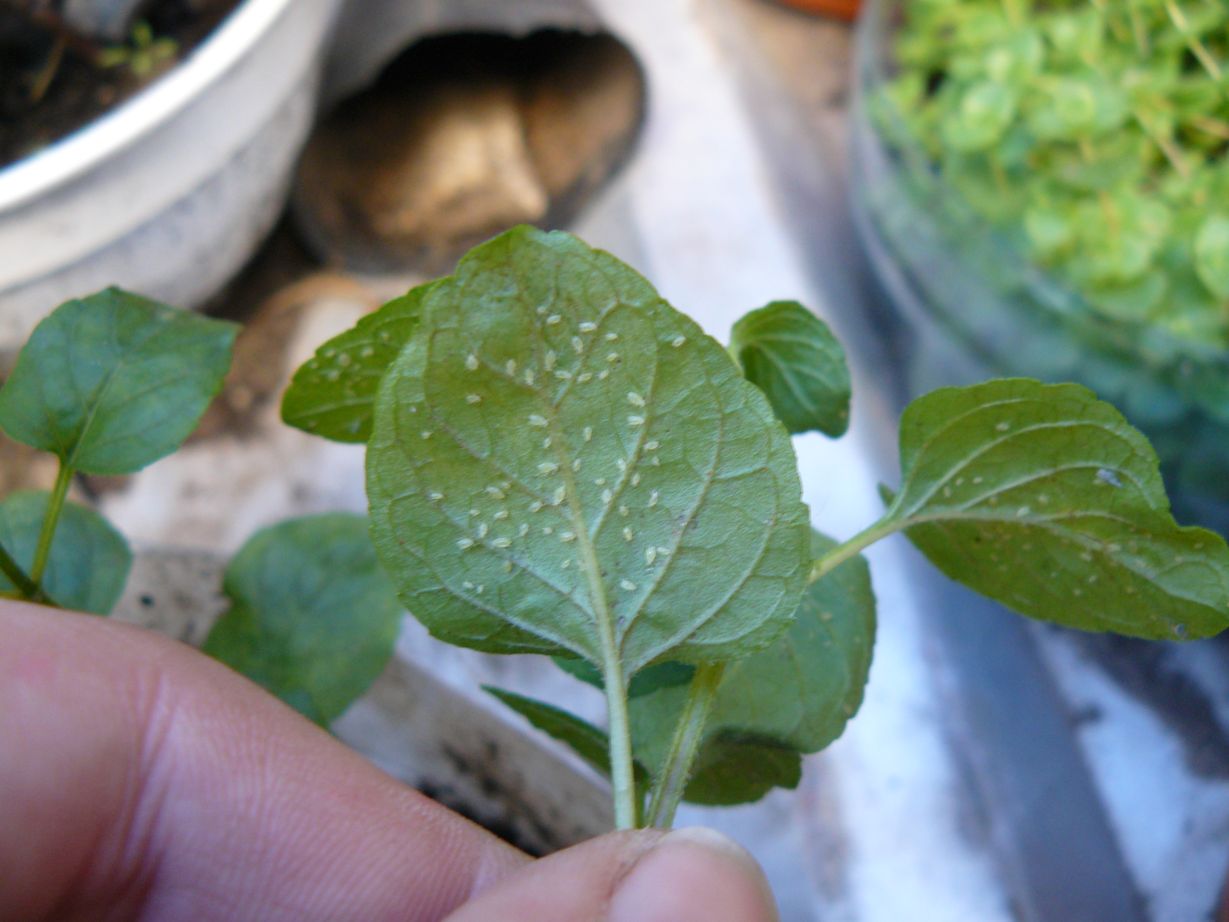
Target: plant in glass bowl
{"x":1042,"y":188}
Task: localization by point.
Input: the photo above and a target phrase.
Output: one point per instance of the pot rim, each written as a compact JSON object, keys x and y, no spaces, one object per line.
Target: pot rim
{"x":87,"y":147}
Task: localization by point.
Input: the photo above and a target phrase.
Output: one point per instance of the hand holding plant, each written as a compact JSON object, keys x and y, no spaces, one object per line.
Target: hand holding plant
{"x":559,"y":462}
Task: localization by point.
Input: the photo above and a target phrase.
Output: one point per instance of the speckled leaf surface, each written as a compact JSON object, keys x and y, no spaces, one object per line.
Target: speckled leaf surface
{"x":794,"y":697}
{"x":792,"y":356}
{"x":562,"y":462}
{"x":1046,"y":499}
{"x":313,"y":618}
{"x":333,"y":393}
{"x":113,"y":382}
{"x":89,"y":560}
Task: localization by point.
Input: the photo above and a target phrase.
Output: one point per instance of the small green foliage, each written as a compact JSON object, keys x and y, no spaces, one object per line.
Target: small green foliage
{"x":113,"y":382}
{"x":776,"y":705}
{"x":333,"y":394}
{"x":144,"y":55}
{"x":1044,"y":498}
{"x":561,"y":462}
{"x":313,"y":618}
{"x":792,"y":356}
{"x":647,"y":680}
{"x":89,"y":560}
{"x":1212,"y":255}
{"x":589,"y":742}
{"x":1091,"y":133}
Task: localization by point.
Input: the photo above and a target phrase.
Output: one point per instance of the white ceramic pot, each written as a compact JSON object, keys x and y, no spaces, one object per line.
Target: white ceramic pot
{"x":169,"y":193}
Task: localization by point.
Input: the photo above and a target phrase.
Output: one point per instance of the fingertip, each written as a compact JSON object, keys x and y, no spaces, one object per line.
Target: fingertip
{"x":694,"y":874}
{"x":640,"y":876}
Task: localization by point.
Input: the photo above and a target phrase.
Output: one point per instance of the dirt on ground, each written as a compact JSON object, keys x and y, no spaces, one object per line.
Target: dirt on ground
{"x":54,"y":80}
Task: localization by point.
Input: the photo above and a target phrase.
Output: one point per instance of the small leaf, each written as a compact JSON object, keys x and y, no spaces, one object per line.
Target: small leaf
{"x":113,"y":382}
{"x":1212,"y":255}
{"x":795,"y":697}
{"x":589,"y":742}
{"x":89,"y":560}
{"x":792,"y":356}
{"x":313,"y":618}
{"x":333,"y":393}
{"x":647,"y":680}
{"x":985,"y":112}
{"x":560,"y":462}
{"x":732,"y":770}
{"x":1044,"y":498}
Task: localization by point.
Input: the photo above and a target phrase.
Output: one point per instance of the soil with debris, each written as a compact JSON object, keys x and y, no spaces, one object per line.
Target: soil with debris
{"x":54,"y":80}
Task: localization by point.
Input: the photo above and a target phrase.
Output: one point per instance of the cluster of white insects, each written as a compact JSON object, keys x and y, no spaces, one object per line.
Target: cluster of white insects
{"x":482,"y":534}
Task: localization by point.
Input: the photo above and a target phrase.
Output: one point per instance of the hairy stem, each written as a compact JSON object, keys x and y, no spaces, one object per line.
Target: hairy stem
{"x":622,"y":777}
{"x":54,"y":507}
{"x":684,"y":746}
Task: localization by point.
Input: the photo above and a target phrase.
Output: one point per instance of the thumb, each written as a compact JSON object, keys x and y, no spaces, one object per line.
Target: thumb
{"x":643,"y":876}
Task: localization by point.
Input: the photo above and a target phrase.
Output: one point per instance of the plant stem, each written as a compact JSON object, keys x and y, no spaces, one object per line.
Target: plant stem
{"x":622,"y":778}
{"x":685,"y":745}
{"x":1198,"y":49}
{"x":17,"y":576}
{"x":55,"y":506}
{"x":855,"y":546}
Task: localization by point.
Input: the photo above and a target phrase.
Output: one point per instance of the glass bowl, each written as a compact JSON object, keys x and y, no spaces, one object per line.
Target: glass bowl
{"x":974,"y":303}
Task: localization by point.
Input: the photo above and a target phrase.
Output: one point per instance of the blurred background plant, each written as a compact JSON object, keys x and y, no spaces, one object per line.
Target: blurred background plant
{"x":1049,"y":180}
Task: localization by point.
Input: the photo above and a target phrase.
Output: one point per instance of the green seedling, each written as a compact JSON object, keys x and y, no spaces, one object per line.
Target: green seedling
{"x":144,"y":55}
{"x":559,"y":462}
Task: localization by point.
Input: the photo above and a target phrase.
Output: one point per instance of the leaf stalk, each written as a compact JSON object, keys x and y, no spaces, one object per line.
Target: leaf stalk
{"x":27,"y":588}
{"x":622,"y":776}
{"x":55,"y":506}
{"x":668,"y":792}
{"x":854,"y":546}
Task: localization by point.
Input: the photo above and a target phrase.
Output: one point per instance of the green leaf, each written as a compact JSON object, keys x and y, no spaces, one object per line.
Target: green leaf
{"x":649,"y":679}
{"x":333,"y":393}
{"x":313,"y":618}
{"x":1212,"y":255}
{"x":732,"y":770}
{"x":792,"y":356}
{"x":89,"y":559}
{"x":113,"y":382}
{"x":795,"y":697}
{"x":562,"y":463}
{"x":985,"y":112}
{"x":1044,"y":498}
{"x":589,"y":742}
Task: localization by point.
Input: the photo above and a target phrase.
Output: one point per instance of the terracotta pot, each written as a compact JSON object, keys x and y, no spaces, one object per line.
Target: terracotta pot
{"x":841,"y":9}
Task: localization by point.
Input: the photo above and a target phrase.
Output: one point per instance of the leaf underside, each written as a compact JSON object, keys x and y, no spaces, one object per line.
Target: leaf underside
{"x":1046,"y":499}
{"x":333,"y":393}
{"x":113,"y":382}
{"x":792,"y":356}
{"x":558,"y":454}
{"x":313,"y":618}
{"x":89,"y":560}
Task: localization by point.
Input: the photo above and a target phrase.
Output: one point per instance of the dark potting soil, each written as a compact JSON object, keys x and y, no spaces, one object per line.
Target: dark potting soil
{"x":54,"y":80}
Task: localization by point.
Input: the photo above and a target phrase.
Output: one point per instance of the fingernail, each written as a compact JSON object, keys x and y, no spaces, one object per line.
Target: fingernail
{"x":694,"y":874}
